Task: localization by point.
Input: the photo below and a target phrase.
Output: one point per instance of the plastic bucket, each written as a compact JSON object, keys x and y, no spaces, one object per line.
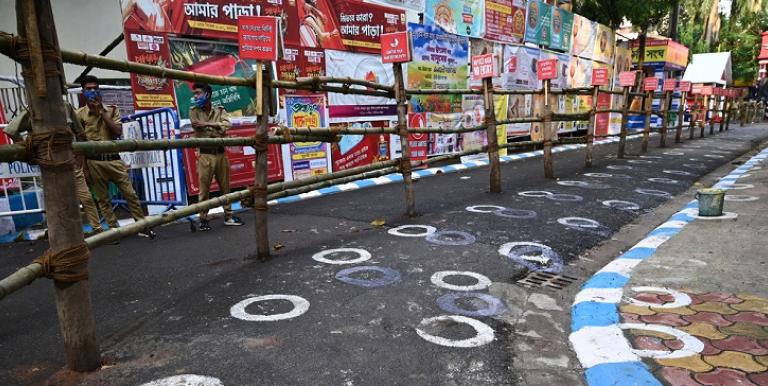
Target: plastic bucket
{"x":710,"y":201}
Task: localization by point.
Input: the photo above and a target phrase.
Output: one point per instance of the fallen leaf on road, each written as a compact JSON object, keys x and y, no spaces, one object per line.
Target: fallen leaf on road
{"x":288,"y":230}
{"x":278,"y":246}
{"x":378,"y":222}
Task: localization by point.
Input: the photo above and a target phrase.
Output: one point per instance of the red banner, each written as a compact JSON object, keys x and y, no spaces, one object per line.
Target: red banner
{"x":697,"y":88}
{"x":627,"y":78}
{"x":353,"y":151}
{"x":684,"y":86}
{"x":504,"y":22}
{"x":603,"y":120}
{"x":707,"y":90}
{"x":149,"y":48}
{"x":650,"y":83}
{"x":257,"y":37}
{"x":396,"y":47}
{"x":669,"y":85}
{"x":241,"y":162}
{"x":599,"y":76}
{"x":485,"y":66}
{"x":418,"y":142}
{"x":546,"y":69}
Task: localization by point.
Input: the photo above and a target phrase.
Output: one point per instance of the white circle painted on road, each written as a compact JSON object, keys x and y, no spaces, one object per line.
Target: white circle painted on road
{"x":653,"y":192}
{"x":691,"y":345}
{"x":619,"y":167}
{"x":573,"y":183}
{"x":673,"y":153}
{"x":578,"y":222}
{"x":639,"y":161}
{"x":484,"y":334}
{"x":664,"y":180}
{"x":598,"y":175}
{"x":681,"y":299}
{"x":398,"y":231}
{"x":622,"y":205}
{"x":185,"y":380}
{"x":300,"y":306}
{"x":720,"y":151}
{"x":363,"y":255}
{"x":438,"y":279}
{"x":713,"y":156}
{"x":535,"y":193}
{"x":738,"y":186}
{"x":678,"y":172}
{"x":484,"y":208}
{"x":740,"y":198}
{"x":651,"y":156}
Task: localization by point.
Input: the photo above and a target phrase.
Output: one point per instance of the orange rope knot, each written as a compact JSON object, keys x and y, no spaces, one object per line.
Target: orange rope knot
{"x":286,"y":132}
{"x":250,"y":201}
{"x":41,"y":147}
{"x":59,"y":265}
{"x":260,"y":142}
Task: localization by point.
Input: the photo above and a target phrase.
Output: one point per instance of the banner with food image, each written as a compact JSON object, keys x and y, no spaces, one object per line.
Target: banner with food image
{"x":538,"y":23}
{"x":604,"y":44}
{"x":213,"y":58}
{"x":562,"y":30}
{"x":505,"y":21}
{"x":359,"y":150}
{"x":460,"y":17}
{"x":440,"y":61}
{"x":519,"y":69}
{"x":584,"y":36}
{"x":353,"y":107}
{"x":148,"y":48}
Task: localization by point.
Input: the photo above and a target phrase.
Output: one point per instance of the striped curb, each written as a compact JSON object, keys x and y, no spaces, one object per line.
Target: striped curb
{"x":596,"y":335}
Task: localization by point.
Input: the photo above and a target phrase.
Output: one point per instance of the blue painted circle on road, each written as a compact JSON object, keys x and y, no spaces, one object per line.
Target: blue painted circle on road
{"x":451,"y":238}
{"x":494,"y":306}
{"x":388,"y":276}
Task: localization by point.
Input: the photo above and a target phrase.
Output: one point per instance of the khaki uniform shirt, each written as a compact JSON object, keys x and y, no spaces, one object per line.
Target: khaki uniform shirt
{"x":217,"y":115}
{"x":95,"y":127}
{"x":23,"y":124}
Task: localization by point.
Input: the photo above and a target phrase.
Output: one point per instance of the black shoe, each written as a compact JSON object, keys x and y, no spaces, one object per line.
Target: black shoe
{"x":233,"y":222}
{"x":148,"y":233}
{"x":204,"y":226}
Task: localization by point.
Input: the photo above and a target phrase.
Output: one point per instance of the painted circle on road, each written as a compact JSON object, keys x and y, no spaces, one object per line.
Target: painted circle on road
{"x":451,"y":238}
{"x":534,"y":256}
{"x":363,"y":255}
{"x":388,"y":276}
{"x":653,"y":192}
{"x":691,"y":345}
{"x":484,"y":208}
{"x":515,"y":213}
{"x":185,"y":380}
{"x":565,"y":197}
{"x":483,"y":333}
{"x":578,"y":222}
{"x":694,"y":166}
{"x":673,"y":153}
{"x":651,"y":156}
{"x":621,"y":205}
{"x":720,"y":151}
{"x":493,"y":306}
{"x":664,"y":180}
{"x":678,"y":172}
{"x":581,"y":184}
{"x":300,"y":306}
{"x":619,"y":167}
{"x":738,"y":186}
{"x":714,"y":156}
{"x":535,"y":193}
{"x":398,"y":231}
{"x":438,"y":279}
{"x":639,"y":161}
{"x":740,"y":198}
{"x":598,"y":175}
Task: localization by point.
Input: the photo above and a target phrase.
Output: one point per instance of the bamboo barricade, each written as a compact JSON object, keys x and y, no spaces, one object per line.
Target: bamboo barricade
{"x":648,"y":106}
{"x":680,"y":116}
{"x":591,"y":128}
{"x":722,"y":116}
{"x":493,"y":144}
{"x":402,"y":132}
{"x":664,"y":119}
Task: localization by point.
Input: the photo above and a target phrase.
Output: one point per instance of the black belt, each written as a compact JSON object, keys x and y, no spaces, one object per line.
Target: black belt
{"x":214,"y":150}
{"x":104,"y":157}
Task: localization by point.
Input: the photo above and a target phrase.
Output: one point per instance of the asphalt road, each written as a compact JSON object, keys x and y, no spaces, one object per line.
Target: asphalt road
{"x":165,"y":307}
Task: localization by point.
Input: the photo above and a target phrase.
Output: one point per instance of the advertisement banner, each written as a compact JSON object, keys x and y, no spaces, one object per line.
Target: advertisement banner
{"x":305,"y":159}
{"x":241,"y":162}
{"x":299,"y":62}
{"x":622,"y":62}
{"x":579,"y":72}
{"x":412,"y":5}
{"x":440,"y":61}
{"x":351,"y":107}
{"x":396,"y":47}
{"x":667,"y":53}
{"x":602,"y":120}
{"x":358,"y":150}
{"x":212,"y":18}
{"x":148,"y":48}
{"x":505,"y":21}
{"x":605,"y":41}
{"x":584,"y":36}
{"x":519,"y":69}
{"x":538,"y":23}
{"x":559,"y":73}
{"x":213,"y":58}
{"x":478,"y":47}
{"x":459,"y":17}
{"x":445,"y":143}
{"x":562,"y":30}
{"x":258,"y":37}
{"x":140,"y":159}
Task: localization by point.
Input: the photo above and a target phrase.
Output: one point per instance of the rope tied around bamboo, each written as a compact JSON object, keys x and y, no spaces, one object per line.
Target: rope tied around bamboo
{"x":40,"y":148}
{"x":60,"y":264}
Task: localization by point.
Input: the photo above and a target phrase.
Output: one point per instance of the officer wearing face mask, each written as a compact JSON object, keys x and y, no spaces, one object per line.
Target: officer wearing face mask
{"x":211,"y":122}
{"x":102,"y":123}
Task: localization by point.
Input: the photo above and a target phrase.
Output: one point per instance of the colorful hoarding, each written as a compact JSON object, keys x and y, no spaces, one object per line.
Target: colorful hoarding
{"x":352,"y":107}
{"x":358,"y":150}
{"x":562,"y":30}
{"x":658,"y":52}
{"x":538,"y":23}
{"x":584,"y":35}
{"x":504,"y":21}
{"x":306,"y":159}
{"x":150,"y":48}
{"x":460,"y":17}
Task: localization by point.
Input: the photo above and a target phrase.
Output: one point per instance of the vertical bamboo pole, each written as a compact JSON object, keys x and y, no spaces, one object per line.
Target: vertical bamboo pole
{"x":65,"y":229}
{"x":680,"y":116}
{"x":591,"y":127}
{"x":547,"y":127}
{"x":713,"y":113}
{"x":731,"y":101}
{"x":263,"y":96}
{"x":665,"y":119}
{"x":705,"y":110}
{"x":742,"y":113}
{"x":493,"y":143}
{"x":624,"y":123}
{"x":647,"y":124}
{"x":402,"y":131}
{"x":694,"y":112}
{"x":723,"y":114}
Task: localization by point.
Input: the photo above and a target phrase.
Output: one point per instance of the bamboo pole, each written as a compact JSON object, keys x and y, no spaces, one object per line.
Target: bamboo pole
{"x":730,"y":113}
{"x":724,"y":101}
{"x":493,"y":141}
{"x":320,"y":131}
{"x":624,"y":123}
{"x":332,"y":182}
{"x":65,"y":230}
{"x":403,"y":133}
{"x":647,"y":123}
{"x":318,"y":80}
{"x":694,"y":116}
{"x":591,"y":128}
{"x":547,"y":128}
{"x":260,"y":178}
{"x":19,"y":279}
{"x":665,"y":119}
{"x":680,"y":117}
{"x":713,"y":111}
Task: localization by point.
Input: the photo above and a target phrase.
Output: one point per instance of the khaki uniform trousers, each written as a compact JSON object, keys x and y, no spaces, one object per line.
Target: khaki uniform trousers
{"x":209,"y":166}
{"x":86,"y":200}
{"x":102,"y":172}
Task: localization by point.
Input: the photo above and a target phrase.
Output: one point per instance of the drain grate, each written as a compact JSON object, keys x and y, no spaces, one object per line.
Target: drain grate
{"x":543,"y":279}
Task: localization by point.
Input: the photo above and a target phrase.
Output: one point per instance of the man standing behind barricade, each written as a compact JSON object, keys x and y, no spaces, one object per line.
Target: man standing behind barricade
{"x":102,"y":123}
{"x":23,"y":124}
{"x":211,"y":122}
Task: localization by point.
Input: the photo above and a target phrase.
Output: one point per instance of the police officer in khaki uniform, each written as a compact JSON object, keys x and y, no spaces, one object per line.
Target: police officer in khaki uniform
{"x":211,"y":122}
{"x":102,"y":123}
{"x":22,"y":124}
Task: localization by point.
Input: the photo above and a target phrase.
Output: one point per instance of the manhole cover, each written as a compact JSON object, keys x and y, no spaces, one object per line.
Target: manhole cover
{"x":543,"y":279}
